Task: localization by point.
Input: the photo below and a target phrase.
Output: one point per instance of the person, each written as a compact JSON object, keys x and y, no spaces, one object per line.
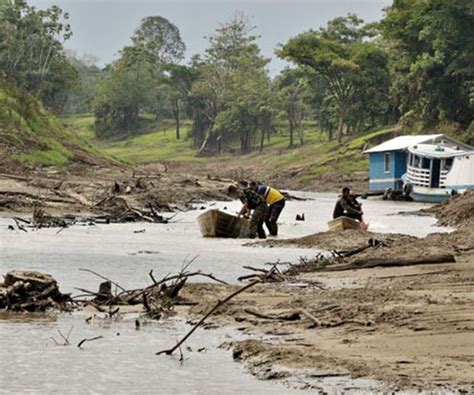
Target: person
{"x":254,"y":203}
{"x":276,"y":203}
{"x":348,"y":206}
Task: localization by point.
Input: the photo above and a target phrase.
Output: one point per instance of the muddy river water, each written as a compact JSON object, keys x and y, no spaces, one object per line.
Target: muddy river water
{"x":123,"y":361}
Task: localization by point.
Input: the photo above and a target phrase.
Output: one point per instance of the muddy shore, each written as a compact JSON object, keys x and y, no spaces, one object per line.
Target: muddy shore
{"x":410,"y":327}
{"x":101,"y":190}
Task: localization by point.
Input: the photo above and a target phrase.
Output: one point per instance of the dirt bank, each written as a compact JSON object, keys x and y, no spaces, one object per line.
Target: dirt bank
{"x":84,"y":191}
{"x":457,"y":211}
{"x":251,"y":167}
{"x":408,"y":327}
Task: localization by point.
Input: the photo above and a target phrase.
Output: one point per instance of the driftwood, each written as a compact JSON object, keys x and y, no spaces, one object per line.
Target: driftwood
{"x":157,"y":299}
{"x":102,"y":277}
{"x":31,"y":291}
{"x":88,"y":340}
{"x":265,"y":275}
{"x":311,"y":317}
{"x":207,"y":315}
{"x":390,"y":262}
{"x":292,"y":316}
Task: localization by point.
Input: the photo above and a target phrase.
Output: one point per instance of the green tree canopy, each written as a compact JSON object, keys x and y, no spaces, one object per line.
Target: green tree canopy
{"x":343,"y":59}
{"x":432,"y":58}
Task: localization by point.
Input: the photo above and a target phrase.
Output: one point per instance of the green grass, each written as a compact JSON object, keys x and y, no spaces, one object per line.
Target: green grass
{"x":32,"y":136}
{"x":157,"y":143}
{"x":360,"y":142}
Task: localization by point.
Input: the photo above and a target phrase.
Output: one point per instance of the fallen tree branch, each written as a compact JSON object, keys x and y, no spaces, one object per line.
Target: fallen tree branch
{"x":292,"y":316}
{"x":103,"y":277}
{"x":390,"y":262}
{"x":88,"y":340}
{"x":208,"y":314}
{"x":311,"y":317}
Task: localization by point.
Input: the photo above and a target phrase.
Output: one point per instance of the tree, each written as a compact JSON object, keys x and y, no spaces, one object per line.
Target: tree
{"x":432,"y":58}
{"x":121,"y":95}
{"x":292,"y":89}
{"x":140,"y":79}
{"x":340,"y":56}
{"x":160,"y":40}
{"x":79,"y":98}
{"x":179,"y":80}
{"x":231,"y":87}
{"x":31,"y":50}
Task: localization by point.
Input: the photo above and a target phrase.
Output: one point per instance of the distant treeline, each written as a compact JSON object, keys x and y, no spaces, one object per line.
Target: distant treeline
{"x":415,"y":66}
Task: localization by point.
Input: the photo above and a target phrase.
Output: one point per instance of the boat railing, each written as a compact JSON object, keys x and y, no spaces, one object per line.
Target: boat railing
{"x":442,"y":177}
{"x":420,"y":177}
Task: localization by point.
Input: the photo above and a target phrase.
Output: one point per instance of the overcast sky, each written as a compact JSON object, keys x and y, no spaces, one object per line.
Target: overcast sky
{"x":102,"y":27}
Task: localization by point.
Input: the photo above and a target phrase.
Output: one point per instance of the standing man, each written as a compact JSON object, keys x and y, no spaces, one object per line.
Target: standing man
{"x":347,"y":206}
{"x":252,"y":202}
{"x":276,"y":204}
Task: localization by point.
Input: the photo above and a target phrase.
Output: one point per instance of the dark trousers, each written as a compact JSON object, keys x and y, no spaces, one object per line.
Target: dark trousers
{"x":272,"y":215}
{"x":256,"y":222}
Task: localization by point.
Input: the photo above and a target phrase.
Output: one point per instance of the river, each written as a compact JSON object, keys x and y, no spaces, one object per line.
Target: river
{"x":123,"y":361}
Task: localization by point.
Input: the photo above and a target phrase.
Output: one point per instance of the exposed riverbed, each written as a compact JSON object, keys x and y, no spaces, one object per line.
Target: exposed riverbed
{"x":31,"y":362}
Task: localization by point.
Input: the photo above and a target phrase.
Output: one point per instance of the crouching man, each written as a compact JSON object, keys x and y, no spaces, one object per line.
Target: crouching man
{"x":276,"y":203}
{"x":253,"y":205}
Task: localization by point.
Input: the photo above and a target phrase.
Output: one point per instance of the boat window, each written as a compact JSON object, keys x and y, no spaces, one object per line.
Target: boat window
{"x":416,"y":161}
{"x":387,"y":162}
{"x":425,"y":163}
{"x":448,"y":163}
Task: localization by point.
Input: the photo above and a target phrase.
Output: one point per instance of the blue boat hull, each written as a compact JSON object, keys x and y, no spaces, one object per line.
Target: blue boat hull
{"x":429,"y":198}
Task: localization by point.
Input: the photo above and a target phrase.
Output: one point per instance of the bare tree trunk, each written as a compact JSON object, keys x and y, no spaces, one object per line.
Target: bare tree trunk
{"x":290,"y":127}
{"x":340,"y":128}
{"x":262,"y":139}
{"x":176,"y":114}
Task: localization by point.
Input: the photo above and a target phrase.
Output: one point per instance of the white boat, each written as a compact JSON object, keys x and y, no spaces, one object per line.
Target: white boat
{"x":216,"y":223}
{"x":435,"y":172}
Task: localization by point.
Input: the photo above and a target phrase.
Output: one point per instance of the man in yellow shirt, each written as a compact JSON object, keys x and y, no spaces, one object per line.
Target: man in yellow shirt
{"x":275,"y":201}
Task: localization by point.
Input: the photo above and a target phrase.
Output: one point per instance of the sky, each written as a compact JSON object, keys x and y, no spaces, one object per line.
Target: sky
{"x":102,"y":27}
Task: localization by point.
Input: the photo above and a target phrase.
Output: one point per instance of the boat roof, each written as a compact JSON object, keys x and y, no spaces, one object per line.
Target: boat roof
{"x":437,"y":151}
{"x":403,"y":142}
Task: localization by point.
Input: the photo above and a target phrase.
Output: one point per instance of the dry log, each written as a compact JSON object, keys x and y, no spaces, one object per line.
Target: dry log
{"x":102,"y":277}
{"x":311,"y":317}
{"x":389,"y":262}
{"x":105,"y":292}
{"x":88,"y":340}
{"x":39,"y":281}
{"x":208,"y":314}
{"x":292,"y":316}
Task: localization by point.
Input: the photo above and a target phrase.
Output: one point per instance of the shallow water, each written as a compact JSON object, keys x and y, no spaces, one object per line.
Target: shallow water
{"x":125,"y":363}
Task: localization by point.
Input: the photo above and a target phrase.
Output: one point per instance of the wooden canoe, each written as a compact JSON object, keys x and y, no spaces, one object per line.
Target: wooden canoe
{"x":215,"y":223}
{"x":342,"y":223}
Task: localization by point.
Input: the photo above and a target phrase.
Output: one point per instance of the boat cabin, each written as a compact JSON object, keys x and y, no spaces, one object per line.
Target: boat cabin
{"x":426,"y":165}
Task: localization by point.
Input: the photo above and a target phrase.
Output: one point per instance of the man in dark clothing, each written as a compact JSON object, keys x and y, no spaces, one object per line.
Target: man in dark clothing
{"x":252,"y":202}
{"x":347,"y":206}
{"x":276,"y":203}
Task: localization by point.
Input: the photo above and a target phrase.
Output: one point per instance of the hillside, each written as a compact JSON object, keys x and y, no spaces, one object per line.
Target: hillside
{"x":32,"y":138}
{"x":317,"y":165}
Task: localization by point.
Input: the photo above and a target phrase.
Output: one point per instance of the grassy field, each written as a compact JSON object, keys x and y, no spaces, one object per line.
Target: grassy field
{"x":310,"y":161}
{"x":31,"y":136}
{"x":157,"y":143}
